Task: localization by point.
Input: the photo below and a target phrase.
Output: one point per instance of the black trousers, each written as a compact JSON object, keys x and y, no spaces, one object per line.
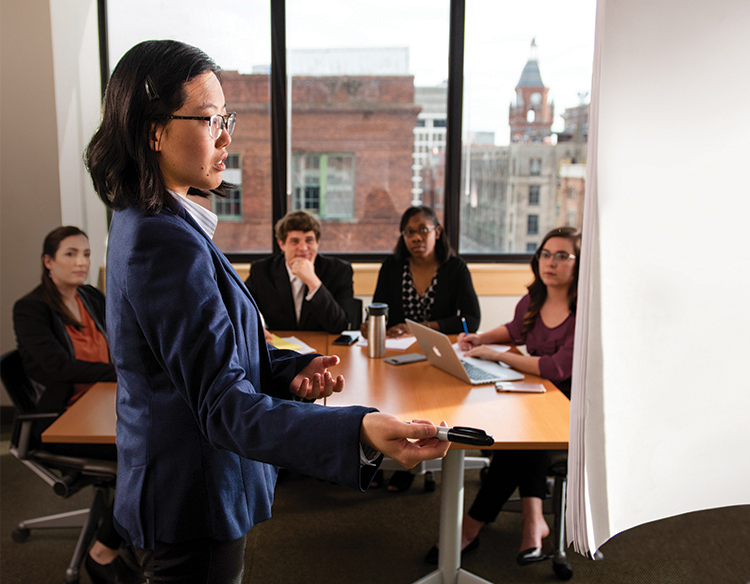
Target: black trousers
{"x":525,"y":469}
{"x":200,"y":561}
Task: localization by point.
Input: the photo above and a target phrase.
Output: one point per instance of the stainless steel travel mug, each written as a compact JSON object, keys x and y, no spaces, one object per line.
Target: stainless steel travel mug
{"x":377,"y":314}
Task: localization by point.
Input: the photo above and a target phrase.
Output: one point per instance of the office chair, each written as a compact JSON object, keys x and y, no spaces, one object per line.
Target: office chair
{"x":354,"y":313}
{"x":554,"y":504}
{"x":65,"y":474}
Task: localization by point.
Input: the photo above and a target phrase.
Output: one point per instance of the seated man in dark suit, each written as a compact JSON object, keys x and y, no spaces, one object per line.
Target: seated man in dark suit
{"x":301,"y":289}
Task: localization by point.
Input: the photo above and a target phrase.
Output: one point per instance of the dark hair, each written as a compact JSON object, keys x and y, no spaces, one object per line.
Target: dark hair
{"x":443,"y":249}
{"x":296,"y":221}
{"x":538,"y":290}
{"x":147,"y":86}
{"x":50,"y":293}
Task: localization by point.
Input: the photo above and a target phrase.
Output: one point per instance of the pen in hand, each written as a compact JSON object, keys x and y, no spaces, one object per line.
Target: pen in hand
{"x":466,"y":328}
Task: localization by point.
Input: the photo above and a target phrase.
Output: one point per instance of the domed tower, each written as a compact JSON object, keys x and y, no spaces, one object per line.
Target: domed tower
{"x":531,"y":116}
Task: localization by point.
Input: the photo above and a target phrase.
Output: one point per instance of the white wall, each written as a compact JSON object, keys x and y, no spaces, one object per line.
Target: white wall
{"x":49,"y":106}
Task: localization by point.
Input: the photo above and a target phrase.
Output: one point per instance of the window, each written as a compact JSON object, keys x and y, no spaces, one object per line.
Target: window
{"x":384,"y":105}
{"x":531,"y":247}
{"x":364,"y":104}
{"x":324,"y":185}
{"x":533,"y":195}
{"x":532,"y":225}
{"x":229,"y":208}
{"x":243,"y":51}
{"x":521,"y":99}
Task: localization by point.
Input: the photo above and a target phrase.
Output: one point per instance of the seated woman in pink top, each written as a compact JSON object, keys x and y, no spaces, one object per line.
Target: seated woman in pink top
{"x":544,"y":321}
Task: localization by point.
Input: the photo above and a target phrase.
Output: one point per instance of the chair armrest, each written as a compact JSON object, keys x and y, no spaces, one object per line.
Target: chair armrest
{"x":47,"y":416}
{"x":89,"y":466}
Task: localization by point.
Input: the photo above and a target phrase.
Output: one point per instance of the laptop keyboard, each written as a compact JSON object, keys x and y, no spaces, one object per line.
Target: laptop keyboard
{"x":478,"y":374}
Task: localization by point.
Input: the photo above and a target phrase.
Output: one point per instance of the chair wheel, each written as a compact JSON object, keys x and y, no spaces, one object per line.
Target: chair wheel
{"x":563,"y":570}
{"x":20,"y":535}
{"x":71,"y":576}
{"x":429,"y":482}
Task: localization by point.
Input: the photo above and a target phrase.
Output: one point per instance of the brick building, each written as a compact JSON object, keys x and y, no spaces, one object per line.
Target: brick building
{"x":352,"y":138}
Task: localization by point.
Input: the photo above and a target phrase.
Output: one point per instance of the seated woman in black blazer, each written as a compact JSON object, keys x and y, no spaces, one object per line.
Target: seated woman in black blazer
{"x":62,"y":339}
{"x":426,"y":282}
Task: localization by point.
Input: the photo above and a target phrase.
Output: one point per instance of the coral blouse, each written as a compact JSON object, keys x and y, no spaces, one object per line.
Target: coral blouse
{"x":89,"y":344}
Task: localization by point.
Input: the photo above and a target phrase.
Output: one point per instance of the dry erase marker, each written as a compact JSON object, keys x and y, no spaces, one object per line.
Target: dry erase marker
{"x":466,"y":328}
{"x":463,"y":435}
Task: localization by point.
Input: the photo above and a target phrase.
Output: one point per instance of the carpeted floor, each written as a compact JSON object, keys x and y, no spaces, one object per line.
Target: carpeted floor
{"x":324,"y":533}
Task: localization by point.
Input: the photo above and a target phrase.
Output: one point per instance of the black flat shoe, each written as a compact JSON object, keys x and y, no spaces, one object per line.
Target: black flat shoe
{"x":116,"y":572}
{"x":531,"y":556}
{"x":400,"y":481}
{"x":434,"y":554}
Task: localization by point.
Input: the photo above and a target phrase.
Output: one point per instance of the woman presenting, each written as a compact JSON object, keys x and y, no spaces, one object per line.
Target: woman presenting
{"x":545,"y":322}
{"x":206,"y":409}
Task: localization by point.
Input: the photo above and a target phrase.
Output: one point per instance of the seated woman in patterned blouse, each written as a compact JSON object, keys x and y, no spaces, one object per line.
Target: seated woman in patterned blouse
{"x":426,"y":282}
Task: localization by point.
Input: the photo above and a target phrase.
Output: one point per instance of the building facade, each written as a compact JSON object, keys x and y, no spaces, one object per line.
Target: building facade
{"x":352,"y":140}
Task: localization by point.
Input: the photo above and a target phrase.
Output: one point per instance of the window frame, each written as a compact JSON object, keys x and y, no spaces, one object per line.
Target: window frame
{"x":281,"y":191}
{"x":217,"y":201}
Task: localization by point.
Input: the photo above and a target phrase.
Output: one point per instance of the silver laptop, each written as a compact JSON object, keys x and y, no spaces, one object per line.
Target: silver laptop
{"x":440,"y":353}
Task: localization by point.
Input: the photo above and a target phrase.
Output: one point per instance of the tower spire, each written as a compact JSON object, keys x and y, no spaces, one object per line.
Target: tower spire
{"x":530,"y":76}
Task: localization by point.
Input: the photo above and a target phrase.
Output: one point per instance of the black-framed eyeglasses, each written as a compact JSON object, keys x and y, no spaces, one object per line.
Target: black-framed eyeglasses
{"x":559,"y":256}
{"x":216,"y":122}
{"x":423,"y":230}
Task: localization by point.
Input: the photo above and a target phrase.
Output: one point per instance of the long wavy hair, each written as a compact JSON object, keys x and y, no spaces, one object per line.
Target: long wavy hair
{"x":50,"y":293}
{"x":538,"y":290}
{"x":443,"y":249}
{"x":146,"y":87}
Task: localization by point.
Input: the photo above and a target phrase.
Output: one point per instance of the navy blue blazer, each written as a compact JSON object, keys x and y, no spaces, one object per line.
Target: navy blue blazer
{"x":204,"y":411}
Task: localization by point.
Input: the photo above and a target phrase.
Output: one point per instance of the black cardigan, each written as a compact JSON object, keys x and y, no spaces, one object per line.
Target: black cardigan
{"x":47,"y":352}
{"x":454,"y":295}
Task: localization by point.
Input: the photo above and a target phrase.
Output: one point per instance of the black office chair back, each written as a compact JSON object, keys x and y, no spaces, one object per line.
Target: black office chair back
{"x":354,"y":313}
{"x":16,"y":383}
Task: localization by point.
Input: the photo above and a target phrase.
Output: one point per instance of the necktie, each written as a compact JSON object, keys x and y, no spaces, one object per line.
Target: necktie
{"x":298,"y":291}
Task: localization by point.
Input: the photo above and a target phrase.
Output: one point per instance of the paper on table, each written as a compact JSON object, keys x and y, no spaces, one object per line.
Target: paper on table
{"x":303,"y":347}
{"x":292,"y":343}
{"x":280,"y":343}
{"x":400,"y":343}
{"x":498,"y":348}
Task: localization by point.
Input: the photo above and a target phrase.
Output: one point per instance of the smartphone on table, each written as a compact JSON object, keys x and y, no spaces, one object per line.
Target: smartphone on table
{"x":346,"y":339}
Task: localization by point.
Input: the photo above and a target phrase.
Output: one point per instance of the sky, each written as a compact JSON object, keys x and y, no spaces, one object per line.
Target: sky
{"x":498,"y":37}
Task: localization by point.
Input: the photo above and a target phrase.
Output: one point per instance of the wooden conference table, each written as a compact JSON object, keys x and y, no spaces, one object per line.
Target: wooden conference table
{"x":413,"y":391}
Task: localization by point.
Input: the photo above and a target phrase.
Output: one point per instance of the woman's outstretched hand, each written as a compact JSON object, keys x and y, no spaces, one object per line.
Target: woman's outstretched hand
{"x":407,"y":444}
{"x":315,"y":381}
